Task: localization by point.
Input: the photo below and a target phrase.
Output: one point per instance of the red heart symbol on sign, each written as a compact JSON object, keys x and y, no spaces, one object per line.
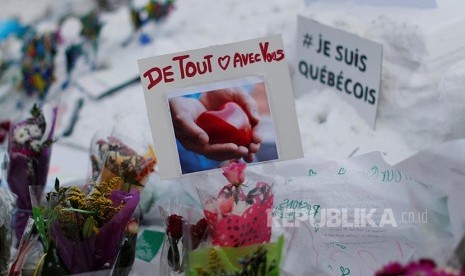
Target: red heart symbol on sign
{"x":224,"y":62}
{"x":230,"y":124}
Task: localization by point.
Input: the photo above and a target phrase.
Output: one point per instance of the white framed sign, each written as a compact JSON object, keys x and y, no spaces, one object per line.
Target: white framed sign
{"x":227,"y":102}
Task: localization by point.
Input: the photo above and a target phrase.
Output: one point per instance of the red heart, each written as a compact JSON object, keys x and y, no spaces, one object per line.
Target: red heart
{"x":230,"y":124}
{"x":224,"y":62}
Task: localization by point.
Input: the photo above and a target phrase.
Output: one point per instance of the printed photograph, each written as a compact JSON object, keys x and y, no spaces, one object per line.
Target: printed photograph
{"x":215,"y":124}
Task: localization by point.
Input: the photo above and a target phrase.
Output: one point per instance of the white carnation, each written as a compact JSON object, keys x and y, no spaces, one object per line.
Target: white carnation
{"x":36,"y":145}
{"x":21,"y":135}
{"x":35,"y":131}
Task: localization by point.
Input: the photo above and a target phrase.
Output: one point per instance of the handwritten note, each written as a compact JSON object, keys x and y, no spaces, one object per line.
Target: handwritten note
{"x":353,"y":216}
{"x":184,"y":66}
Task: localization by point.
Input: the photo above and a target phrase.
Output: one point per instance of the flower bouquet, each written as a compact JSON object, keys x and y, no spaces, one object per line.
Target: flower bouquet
{"x":38,"y":63}
{"x":235,"y":218}
{"x":83,"y":229}
{"x":140,"y":16}
{"x":29,"y":150}
{"x":90,"y":32}
{"x":181,"y":238}
{"x":112,"y":157}
{"x":234,"y":223}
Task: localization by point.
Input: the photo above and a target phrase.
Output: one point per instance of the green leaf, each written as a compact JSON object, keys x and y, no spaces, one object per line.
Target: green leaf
{"x":36,"y":111}
{"x":88,"y":226}
{"x":39,"y":219}
{"x":42,"y":226}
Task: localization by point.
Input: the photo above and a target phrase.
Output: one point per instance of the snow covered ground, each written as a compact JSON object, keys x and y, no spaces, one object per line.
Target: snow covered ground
{"x":422,"y":99}
{"x":420,"y":106}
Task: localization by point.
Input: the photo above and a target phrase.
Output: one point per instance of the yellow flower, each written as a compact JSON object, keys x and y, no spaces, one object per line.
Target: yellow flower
{"x":96,"y":205}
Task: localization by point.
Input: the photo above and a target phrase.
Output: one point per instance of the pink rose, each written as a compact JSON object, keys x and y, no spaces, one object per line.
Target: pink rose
{"x":234,"y":173}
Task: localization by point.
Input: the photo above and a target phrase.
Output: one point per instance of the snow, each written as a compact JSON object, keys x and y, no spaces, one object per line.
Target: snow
{"x":422,"y":99}
{"x":414,"y":113}
{"x":420,"y":102}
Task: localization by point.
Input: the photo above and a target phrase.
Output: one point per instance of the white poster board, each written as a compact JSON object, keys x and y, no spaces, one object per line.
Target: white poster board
{"x":347,"y":64}
{"x":193,"y":126}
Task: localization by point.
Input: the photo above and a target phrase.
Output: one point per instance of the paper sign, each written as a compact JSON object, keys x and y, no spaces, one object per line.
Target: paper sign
{"x":211,"y":105}
{"x":348,"y":64}
{"x":424,"y":4}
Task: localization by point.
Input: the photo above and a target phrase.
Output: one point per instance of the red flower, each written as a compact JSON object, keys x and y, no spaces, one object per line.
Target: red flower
{"x":2,"y":135}
{"x":234,"y":173}
{"x":174,"y":228}
{"x":5,"y":125}
{"x":199,"y":228}
{"x":198,"y":233}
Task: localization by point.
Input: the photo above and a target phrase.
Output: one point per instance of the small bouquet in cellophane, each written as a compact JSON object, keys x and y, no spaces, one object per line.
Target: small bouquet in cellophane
{"x":129,"y":160}
{"x":38,"y":63}
{"x":235,"y":218}
{"x":230,"y":236}
{"x":82,"y":229}
{"x":29,"y":151}
{"x":186,"y":230}
{"x":112,"y":157}
{"x":239,"y":228}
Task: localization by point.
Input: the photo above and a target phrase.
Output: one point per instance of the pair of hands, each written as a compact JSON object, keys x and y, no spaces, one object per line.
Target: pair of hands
{"x":184,"y":112}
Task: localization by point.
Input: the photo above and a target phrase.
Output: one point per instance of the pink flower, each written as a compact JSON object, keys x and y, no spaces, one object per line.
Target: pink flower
{"x":423,"y":267}
{"x":235,"y":173}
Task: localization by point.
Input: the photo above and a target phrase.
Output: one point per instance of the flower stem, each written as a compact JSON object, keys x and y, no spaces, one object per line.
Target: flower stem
{"x":173,"y":255}
{"x":236,"y":194}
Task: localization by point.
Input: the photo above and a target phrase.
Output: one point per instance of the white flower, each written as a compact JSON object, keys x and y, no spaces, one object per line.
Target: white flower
{"x":36,"y":145}
{"x":21,"y":135}
{"x":239,"y":208}
{"x":35,"y":131}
